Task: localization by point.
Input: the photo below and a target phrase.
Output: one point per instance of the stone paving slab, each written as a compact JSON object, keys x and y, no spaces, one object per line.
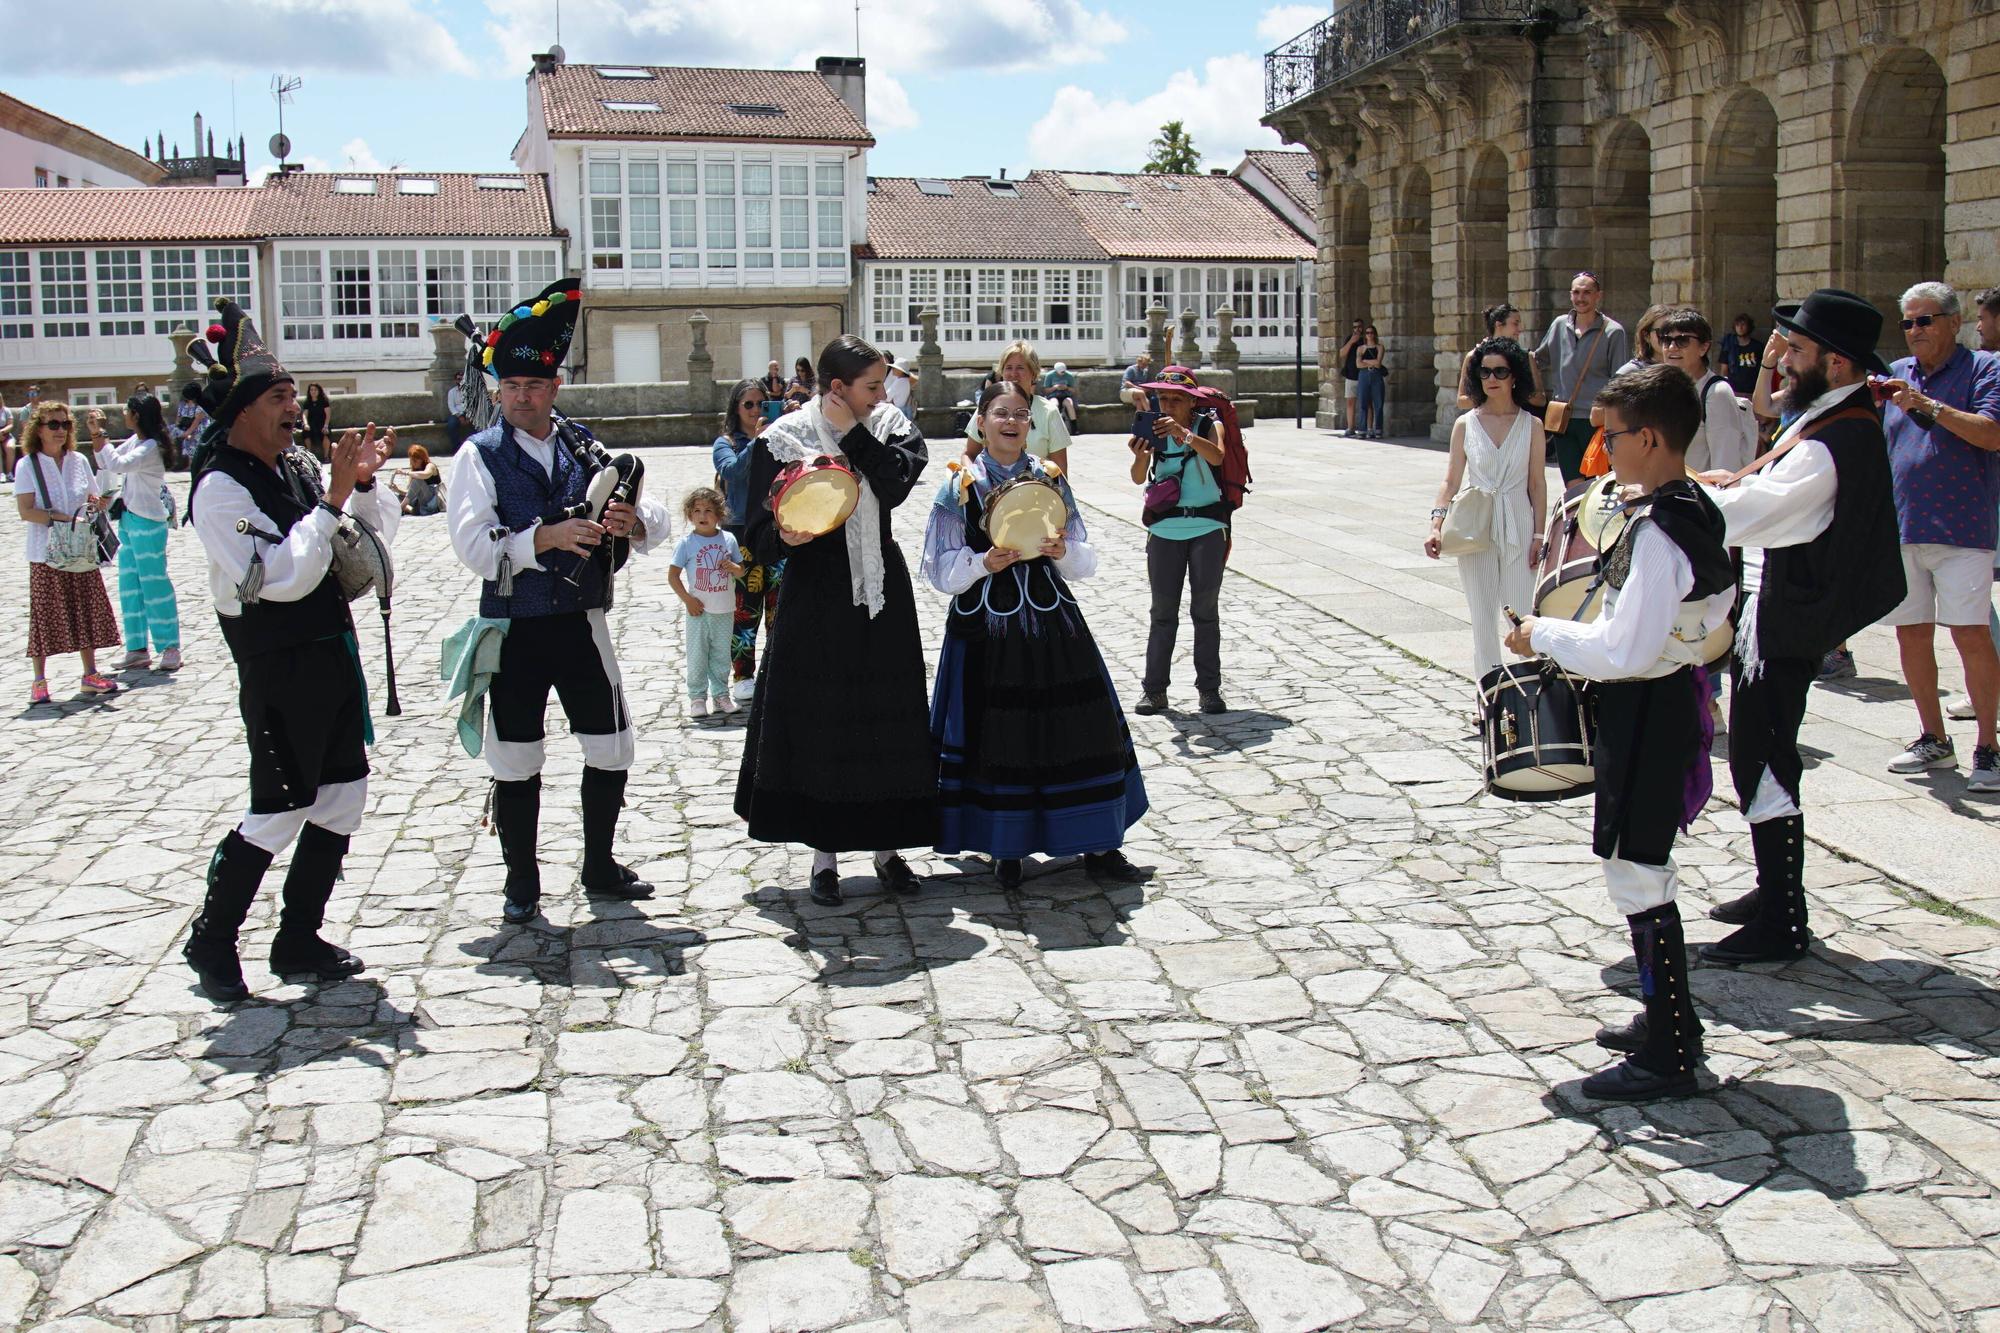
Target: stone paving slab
{"x":1338,"y":524}
{"x":1318,"y":1072}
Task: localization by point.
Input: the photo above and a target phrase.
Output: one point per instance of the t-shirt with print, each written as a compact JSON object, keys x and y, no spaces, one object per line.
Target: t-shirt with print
{"x":700,"y":560}
{"x":1947,"y":491}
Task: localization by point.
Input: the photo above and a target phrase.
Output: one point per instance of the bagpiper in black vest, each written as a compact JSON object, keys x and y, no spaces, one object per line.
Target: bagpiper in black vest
{"x":269,"y":625}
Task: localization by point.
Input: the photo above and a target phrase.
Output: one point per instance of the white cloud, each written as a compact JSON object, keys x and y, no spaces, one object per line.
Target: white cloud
{"x":1281,"y":23}
{"x":889,"y":105}
{"x":1219,"y":105}
{"x":907,"y":36}
{"x":355,"y":155}
{"x":140,"y":42}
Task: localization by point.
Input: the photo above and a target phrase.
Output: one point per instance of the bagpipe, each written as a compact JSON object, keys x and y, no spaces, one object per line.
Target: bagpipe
{"x":614,"y":478}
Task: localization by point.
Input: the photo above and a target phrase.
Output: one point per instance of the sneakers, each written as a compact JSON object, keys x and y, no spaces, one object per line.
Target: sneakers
{"x":743,"y":691}
{"x":1925,"y":752}
{"x":137,"y":660}
{"x":725,"y":704}
{"x":1150,"y":704}
{"x":1985,"y":774}
{"x":1838,"y":664}
{"x":697,"y":708}
{"x":170,"y":660}
{"x":97,"y":683}
{"x":1961,"y":710}
{"x":38,"y":693}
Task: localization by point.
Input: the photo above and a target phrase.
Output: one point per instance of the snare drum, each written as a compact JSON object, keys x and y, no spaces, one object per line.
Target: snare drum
{"x":1538,"y":732}
{"x":814,"y":497}
{"x":1588,"y":521}
{"x":1021,"y":514}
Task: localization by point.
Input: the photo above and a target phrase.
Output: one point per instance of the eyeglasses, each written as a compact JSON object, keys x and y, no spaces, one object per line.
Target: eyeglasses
{"x":1677,"y":339}
{"x":1010,"y":416}
{"x":1920,"y":322}
{"x":1495,"y":373}
{"x":1610,"y":436}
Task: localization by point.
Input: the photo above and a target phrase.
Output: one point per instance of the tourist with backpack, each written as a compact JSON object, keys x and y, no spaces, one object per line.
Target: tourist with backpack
{"x":1185,"y":466}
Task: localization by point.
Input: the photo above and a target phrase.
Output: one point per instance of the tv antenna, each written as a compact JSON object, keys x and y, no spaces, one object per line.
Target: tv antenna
{"x":282,"y":88}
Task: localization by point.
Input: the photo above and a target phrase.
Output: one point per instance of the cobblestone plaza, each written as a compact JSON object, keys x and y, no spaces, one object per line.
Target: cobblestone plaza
{"x":1318,"y":1072}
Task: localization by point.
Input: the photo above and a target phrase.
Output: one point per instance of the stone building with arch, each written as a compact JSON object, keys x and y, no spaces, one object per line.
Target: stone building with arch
{"x":1721,"y":154}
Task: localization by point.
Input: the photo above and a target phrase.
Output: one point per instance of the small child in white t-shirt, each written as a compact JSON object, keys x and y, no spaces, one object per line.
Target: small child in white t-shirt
{"x":711,"y":560}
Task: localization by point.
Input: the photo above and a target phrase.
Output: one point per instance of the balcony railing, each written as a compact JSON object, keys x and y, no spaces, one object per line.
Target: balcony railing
{"x":1364,"y":32}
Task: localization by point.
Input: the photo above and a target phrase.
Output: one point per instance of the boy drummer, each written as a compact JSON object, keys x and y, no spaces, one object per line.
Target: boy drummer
{"x":1669,"y":584}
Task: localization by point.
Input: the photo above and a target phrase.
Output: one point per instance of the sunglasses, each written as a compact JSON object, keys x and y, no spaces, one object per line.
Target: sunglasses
{"x":1495,"y":373}
{"x":63,"y":423}
{"x":1920,"y":322}
{"x":1678,"y":340}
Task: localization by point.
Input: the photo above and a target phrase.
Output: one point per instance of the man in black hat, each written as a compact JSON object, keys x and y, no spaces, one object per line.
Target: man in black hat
{"x":517,"y":496}
{"x":267,"y":524}
{"x":1817,"y":524}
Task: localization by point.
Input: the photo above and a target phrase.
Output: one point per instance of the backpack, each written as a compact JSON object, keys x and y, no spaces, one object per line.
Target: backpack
{"x":1234,"y":474}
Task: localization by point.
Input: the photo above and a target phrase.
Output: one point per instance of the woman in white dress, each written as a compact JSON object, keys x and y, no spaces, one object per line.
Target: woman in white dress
{"x":1497,"y":448}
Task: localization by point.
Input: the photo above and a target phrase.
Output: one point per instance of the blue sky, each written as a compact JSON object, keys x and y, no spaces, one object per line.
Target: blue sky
{"x":955,"y":86}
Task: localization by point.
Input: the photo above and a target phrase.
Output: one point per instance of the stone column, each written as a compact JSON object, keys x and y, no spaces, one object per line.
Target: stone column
{"x":1226,"y":355}
{"x":701,"y":367}
{"x":448,"y":351}
{"x":183,"y":370}
{"x":1189,"y":354}
{"x":931,"y":390}
{"x":1157,"y":344}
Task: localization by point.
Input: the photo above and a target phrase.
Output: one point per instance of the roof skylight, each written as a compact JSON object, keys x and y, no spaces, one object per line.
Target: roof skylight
{"x":630,"y":106}
{"x":353,"y":185}
{"x":416,"y":185}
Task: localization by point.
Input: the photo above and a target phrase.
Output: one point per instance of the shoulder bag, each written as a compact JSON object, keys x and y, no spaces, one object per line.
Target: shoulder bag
{"x":1468,"y":524}
{"x":72,"y":545}
{"x":1556,"y":416}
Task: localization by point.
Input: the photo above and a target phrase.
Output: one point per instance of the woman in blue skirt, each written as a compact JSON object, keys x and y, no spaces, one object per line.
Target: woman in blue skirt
{"x":1034,"y":754}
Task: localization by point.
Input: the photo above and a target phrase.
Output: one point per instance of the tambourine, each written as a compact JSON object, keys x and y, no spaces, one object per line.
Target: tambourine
{"x":1023,"y":513}
{"x":814,"y":497}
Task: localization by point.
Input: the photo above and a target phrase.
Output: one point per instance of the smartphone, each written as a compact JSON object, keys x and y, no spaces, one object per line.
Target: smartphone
{"x":1142,"y":426}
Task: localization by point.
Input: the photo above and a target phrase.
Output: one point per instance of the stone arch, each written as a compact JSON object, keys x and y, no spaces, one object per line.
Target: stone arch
{"x":1621,"y":214}
{"x":1739,"y":207}
{"x":1892,"y":176}
{"x":1410,"y":332}
{"x":1483,"y":213}
{"x":1351,"y":298}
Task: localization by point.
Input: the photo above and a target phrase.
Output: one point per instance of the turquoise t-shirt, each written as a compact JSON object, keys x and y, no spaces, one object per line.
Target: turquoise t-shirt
{"x":1198,"y":488}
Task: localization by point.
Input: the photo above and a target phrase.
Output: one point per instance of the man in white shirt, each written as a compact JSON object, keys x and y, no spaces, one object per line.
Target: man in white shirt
{"x":1671,"y":585}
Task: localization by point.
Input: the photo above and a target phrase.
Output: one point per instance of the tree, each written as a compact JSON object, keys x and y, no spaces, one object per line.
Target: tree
{"x":1174,"y":152}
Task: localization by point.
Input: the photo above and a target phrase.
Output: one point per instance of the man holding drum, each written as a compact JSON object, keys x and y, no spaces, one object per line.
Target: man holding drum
{"x":517,"y":498}
{"x":1670,"y":584}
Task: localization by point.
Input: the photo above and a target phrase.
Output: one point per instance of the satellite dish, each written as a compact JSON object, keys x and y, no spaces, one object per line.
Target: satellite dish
{"x":281,"y":146}
{"x":557,"y":54}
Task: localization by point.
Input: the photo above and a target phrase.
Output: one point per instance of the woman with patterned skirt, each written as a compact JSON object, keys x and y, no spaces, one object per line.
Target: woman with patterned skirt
{"x":1034,"y":753}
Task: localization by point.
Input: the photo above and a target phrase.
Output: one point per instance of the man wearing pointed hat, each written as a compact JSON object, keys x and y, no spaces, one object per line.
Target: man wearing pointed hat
{"x":1820,"y":561}
{"x":518,"y":488}
{"x":267,"y":524}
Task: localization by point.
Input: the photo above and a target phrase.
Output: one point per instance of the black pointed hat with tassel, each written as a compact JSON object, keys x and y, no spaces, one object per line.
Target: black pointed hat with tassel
{"x":240,"y":368}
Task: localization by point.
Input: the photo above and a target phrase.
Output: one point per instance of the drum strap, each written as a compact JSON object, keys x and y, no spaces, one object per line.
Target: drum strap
{"x":1811,"y":432}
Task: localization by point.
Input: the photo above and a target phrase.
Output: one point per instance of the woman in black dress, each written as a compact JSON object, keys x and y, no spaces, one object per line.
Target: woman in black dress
{"x":316,"y":411}
{"x":838,"y":753}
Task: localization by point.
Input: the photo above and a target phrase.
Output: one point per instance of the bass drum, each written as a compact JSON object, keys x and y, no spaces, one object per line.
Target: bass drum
{"x":1539,"y":729}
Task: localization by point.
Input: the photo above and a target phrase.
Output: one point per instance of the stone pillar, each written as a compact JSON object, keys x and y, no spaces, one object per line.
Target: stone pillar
{"x":701,"y":367}
{"x":448,"y":351}
{"x":931,"y":390}
{"x":1157,"y":345}
{"x":1189,"y":354}
{"x":183,"y":370}
{"x":1226,"y":355}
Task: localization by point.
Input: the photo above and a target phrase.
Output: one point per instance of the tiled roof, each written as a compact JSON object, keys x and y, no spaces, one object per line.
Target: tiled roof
{"x":972,"y":222}
{"x":35,"y":123}
{"x":1293,"y":171}
{"x":697,"y":104}
{"x":1146,"y":216}
{"x":153,"y":213}
{"x":300,"y":204}
{"x":307,"y":204}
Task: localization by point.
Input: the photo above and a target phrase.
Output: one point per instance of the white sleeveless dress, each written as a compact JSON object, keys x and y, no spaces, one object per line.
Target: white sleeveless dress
{"x":1500,"y":575}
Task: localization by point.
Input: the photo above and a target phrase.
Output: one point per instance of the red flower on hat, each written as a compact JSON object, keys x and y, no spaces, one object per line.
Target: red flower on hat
{"x":548,"y":358}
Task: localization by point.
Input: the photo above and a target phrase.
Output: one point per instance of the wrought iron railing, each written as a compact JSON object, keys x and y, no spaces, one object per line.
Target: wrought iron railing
{"x":201,"y":168}
{"x":1364,"y":32}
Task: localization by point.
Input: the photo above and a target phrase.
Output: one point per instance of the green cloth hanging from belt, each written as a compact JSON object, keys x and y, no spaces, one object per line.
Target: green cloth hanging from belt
{"x":470,"y":660}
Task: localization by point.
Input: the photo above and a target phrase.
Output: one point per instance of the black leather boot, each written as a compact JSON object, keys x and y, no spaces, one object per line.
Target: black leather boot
{"x":1669,"y":1031}
{"x":1778,"y":933}
{"x":603,"y":877}
{"x":517,"y":817}
{"x":1765,"y":840}
{"x":309,"y":884}
{"x":234,"y":873}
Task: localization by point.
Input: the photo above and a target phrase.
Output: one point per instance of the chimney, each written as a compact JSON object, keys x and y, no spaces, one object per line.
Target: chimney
{"x":848,"y":77}
{"x":546,"y":61}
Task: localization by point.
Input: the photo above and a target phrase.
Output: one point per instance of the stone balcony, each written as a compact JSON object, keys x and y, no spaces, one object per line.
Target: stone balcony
{"x":1363,"y":34}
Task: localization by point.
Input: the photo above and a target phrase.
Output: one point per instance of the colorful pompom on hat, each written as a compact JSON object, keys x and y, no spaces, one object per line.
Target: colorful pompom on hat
{"x":239,"y":369}
{"x":533,"y":338}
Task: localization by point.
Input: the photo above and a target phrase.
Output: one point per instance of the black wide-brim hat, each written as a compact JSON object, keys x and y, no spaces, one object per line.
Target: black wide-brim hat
{"x":533,"y":338}
{"x":1840,"y":321}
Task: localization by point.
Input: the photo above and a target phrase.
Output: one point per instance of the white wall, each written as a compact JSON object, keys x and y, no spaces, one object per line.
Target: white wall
{"x":20,"y":155}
